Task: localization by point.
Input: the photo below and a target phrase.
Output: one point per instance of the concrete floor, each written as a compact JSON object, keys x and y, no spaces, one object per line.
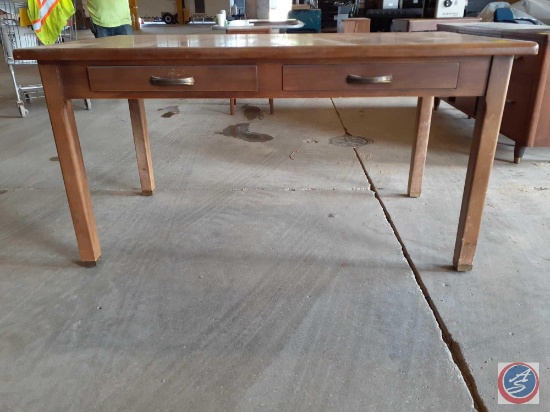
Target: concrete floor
{"x":265,"y":276}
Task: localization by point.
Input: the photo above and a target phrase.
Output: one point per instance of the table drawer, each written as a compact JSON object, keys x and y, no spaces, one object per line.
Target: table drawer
{"x":403,"y":76}
{"x":165,"y":78}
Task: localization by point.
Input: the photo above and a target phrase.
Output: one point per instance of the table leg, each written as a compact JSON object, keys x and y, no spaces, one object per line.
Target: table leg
{"x":519,"y":151}
{"x":420,"y":146}
{"x":72,"y":165}
{"x":143,"y":148}
{"x":482,"y":153}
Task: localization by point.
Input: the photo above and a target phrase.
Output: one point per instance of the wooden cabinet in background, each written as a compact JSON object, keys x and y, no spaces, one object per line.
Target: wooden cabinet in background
{"x":428,"y":24}
{"x":526,"y":118}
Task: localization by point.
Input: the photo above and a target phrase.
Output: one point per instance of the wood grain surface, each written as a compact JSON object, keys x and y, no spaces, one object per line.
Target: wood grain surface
{"x":278,"y":46}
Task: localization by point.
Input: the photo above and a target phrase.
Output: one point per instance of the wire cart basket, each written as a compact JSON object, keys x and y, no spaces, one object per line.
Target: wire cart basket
{"x":16,"y":32}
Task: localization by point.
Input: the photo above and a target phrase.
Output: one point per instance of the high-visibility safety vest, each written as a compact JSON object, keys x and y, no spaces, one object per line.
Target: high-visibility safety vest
{"x":49,"y":17}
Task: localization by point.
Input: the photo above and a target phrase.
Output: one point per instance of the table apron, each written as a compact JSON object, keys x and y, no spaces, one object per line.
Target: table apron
{"x":460,"y":76}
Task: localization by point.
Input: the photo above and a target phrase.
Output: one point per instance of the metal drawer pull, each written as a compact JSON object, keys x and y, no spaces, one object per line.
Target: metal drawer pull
{"x":160,"y":81}
{"x":510,"y":101}
{"x":354,"y":79}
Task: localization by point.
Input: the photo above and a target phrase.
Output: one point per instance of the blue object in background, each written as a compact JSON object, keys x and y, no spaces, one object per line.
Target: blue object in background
{"x":310,"y":18}
{"x":504,"y":15}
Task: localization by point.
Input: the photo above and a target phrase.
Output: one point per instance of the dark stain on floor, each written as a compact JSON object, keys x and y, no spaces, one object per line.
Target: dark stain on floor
{"x":171,"y":111}
{"x":350,"y":141}
{"x":241,"y":131}
{"x":252,"y":112}
{"x":54,"y":159}
{"x":3,"y":191}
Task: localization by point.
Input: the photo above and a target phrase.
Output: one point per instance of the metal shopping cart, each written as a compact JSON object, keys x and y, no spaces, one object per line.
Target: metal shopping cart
{"x":16,"y":32}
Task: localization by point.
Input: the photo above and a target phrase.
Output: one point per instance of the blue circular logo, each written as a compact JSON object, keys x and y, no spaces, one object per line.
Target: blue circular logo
{"x":518,"y":383}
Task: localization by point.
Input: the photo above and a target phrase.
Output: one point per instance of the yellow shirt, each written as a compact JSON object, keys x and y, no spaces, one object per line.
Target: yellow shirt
{"x":109,"y":13}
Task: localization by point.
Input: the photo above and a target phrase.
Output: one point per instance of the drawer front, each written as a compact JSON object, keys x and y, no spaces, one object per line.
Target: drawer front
{"x":203,"y":78}
{"x":529,"y":65}
{"x":515,"y":119}
{"x":403,"y":76}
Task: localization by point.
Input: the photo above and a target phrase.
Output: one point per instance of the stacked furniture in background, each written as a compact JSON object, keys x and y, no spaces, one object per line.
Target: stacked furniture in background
{"x":525,"y":120}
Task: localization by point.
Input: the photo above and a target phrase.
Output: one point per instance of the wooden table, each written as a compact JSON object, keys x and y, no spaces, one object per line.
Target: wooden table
{"x":525,"y":119}
{"x":276,"y":65}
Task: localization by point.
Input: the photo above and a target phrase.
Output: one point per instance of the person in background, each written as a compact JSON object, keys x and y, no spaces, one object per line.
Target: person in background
{"x":109,"y":17}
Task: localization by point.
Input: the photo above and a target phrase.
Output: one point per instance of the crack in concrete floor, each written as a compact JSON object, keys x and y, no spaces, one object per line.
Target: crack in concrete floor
{"x":453,"y":346}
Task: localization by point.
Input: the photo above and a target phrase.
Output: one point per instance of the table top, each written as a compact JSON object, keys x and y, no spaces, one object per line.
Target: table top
{"x":301,"y":46}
